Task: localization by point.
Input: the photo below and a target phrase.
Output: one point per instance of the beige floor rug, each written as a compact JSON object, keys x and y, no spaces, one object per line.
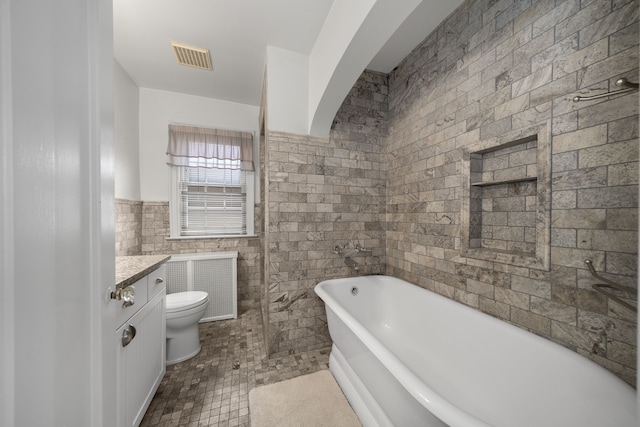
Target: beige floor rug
{"x":306,"y":401}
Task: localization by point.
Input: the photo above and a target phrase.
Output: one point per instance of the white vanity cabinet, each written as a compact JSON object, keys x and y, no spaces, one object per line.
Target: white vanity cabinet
{"x":141,"y":342}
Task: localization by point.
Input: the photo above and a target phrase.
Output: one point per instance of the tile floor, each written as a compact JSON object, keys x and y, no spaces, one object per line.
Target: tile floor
{"x":207,"y":391}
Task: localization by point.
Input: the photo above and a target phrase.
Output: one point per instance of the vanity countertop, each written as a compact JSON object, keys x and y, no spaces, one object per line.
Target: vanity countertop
{"x":129,"y":269}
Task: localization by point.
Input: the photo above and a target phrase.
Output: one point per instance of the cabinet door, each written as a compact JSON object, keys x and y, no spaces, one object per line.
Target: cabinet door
{"x":142,"y":361}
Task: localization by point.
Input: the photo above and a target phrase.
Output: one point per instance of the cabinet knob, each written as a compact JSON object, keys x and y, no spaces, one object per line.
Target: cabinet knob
{"x":159,"y":280}
{"x":128,"y":334}
{"x":125,"y":294}
{"x":128,"y":296}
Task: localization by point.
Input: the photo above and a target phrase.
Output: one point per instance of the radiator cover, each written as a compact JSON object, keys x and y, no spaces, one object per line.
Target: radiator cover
{"x":214,"y":273}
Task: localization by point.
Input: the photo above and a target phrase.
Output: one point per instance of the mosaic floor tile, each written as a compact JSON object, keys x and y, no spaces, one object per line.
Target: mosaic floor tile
{"x":211,"y":389}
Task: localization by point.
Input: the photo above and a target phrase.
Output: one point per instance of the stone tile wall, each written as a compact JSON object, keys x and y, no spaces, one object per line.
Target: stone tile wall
{"x":264,"y":250}
{"x":155,"y":230}
{"x":323,"y":193}
{"x":128,"y":227}
{"x":495,"y":67}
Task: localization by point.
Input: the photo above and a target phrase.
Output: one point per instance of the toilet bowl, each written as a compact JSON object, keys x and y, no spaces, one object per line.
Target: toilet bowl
{"x":184,"y":310}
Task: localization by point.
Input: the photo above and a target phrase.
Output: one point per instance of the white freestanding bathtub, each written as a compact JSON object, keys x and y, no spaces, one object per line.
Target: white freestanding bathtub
{"x":405,"y":356}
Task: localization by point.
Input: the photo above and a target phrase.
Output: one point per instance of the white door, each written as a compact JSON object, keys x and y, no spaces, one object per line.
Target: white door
{"x":56,"y":220}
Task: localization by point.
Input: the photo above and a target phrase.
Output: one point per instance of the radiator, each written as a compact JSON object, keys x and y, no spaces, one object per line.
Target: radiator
{"x":214,"y":273}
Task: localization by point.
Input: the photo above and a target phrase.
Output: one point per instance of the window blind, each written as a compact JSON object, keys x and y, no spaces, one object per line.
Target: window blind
{"x":212,"y":201}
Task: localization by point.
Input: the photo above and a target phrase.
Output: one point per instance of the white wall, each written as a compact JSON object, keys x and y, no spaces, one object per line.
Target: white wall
{"x":339,"y":57}
{"x":288,"y":91}
{"x":341,"y":25}
{"x":126,"y":98}
{"x":305,"y":91}
{"x":159,"y":108}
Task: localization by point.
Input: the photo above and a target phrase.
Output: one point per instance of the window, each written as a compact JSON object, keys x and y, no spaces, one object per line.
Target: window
{"x":212,"y":188}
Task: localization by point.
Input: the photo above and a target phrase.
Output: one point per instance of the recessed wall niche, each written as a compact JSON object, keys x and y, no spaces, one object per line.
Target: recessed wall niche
{"x":506,"y":202}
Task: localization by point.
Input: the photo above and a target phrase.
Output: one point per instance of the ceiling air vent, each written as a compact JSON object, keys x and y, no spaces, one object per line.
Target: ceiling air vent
{"x":192,"y":56}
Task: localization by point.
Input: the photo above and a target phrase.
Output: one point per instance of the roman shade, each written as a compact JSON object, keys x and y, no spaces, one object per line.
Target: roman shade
{"x":210,"y":148}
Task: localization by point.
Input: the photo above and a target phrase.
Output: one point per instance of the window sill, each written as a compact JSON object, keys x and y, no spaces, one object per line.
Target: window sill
{"x":239,"y":236}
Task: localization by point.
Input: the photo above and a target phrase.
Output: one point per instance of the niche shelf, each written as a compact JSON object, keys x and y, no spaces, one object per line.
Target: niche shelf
{"x":506,"y":181}
{"x":506,"y":199}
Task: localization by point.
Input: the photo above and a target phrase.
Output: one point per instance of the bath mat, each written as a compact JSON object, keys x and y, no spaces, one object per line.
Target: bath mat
{"x":312,"y":400}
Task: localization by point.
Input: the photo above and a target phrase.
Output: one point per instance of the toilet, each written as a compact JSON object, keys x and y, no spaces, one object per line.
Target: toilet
{"x":184,"y":310}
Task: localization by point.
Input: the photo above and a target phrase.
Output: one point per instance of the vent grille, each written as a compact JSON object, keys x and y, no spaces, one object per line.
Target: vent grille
{"x":192,"y":56}
{"x":214,"y":273}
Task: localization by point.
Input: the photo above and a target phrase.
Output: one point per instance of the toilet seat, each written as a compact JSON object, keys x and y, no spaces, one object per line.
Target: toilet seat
{"x":181,"y":301}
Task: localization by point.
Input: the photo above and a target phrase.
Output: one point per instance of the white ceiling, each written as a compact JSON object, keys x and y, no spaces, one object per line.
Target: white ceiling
{"x":237,"y":33}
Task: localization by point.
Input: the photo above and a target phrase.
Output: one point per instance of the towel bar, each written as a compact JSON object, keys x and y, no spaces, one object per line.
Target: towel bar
{"x":608,"y":284}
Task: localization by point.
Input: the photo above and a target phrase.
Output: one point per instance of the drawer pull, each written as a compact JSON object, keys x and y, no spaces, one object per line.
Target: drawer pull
{"x":128,"y":334}
{"x":159,"y":280}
